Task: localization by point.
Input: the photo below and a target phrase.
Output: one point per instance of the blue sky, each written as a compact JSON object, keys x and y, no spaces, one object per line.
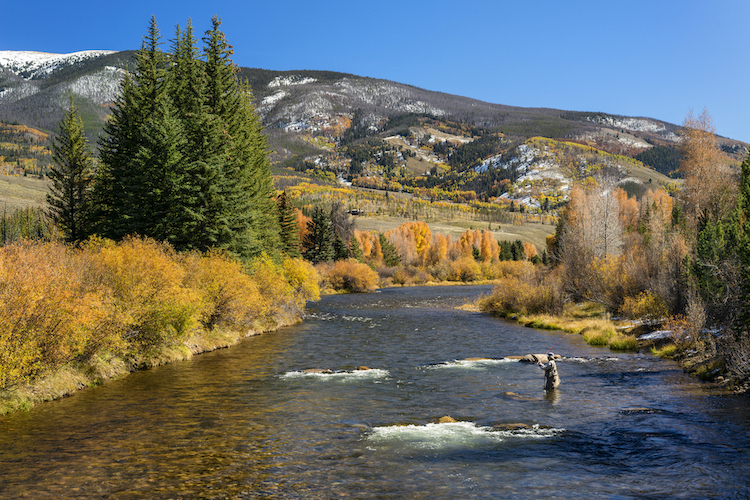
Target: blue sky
{"x":654,"y":58}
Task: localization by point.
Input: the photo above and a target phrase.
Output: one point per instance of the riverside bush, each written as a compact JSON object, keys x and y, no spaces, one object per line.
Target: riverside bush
{"x":465,"y":269}
{"x":146,"y":280}
{"x":528,"y":295}
{"x":349,"y":276}
{"x":50,"y":313}
{"x":229,"y":297}
{"x":647,"y":305}
{"x":131,"y":302}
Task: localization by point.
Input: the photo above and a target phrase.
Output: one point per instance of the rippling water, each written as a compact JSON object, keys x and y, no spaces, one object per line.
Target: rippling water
{"x":253,"y":422}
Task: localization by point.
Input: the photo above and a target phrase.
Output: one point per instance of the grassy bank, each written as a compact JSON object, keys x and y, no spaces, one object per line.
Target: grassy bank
{"x":74,"y":317}
{"x":536,"y":301}
{"x":588,"y":320}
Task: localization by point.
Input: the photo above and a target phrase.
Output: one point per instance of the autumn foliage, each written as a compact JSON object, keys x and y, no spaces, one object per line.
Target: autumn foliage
{"x":60,"y":304}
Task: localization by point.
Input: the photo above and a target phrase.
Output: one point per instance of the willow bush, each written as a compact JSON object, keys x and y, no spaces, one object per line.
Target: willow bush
{"x":60,"y":304}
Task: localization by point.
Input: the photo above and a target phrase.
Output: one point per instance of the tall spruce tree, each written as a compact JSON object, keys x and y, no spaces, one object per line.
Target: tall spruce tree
{"x":288,"y":229}
{"x":124,"y":205}
{"x":69,"y":198}
{"x":185,"y":157}
{"x":247,"y":172}
{"x":318,"y":242}
{"x":740,"y":236}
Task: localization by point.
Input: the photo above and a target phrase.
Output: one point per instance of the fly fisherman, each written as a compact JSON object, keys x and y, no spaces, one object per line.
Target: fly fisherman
{"x":551,"y":378}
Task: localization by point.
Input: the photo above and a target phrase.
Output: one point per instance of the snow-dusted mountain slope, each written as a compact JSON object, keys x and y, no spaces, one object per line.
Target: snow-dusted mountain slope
{"x":31,"y":65}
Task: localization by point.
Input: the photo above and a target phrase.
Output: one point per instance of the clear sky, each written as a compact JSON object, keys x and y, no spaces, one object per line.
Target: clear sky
{"x":652,"y":58}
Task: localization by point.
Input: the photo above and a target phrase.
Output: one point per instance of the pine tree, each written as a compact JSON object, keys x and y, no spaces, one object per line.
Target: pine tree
{"x":356,"y":250}
{"x":69,"y":198}
{"x":159,"y":180}
{"x":289,"y":231}
{"x":740,"y":239}
{"x":184,"y":158}
{"x":246,"y":169}
{"x":391,"y":258}
{"x":122,"y":204}
{"x":318,"y":243}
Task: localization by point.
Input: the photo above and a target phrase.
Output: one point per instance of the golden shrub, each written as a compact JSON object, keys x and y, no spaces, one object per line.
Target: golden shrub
{"x":228,"y":296}
{"x":146,"y":281}
{"x":350,"y":276}
{"x":49,"y":312}
{"x":277,"y":294}
{"x":303,"y":278}
{"x":647,"y":305}
{"x":513,"y":295}
{"x":507,"y":269}
{"x":465,"y":269}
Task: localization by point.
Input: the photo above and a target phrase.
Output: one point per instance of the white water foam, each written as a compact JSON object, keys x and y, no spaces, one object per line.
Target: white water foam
{"x":590,"y":360}
{"x":451,"y":435}
{"x":373,"y":374}
{"x":472,"y":364}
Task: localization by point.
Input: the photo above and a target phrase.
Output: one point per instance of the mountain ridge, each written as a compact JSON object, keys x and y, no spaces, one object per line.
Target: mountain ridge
{"x":318,"y":120}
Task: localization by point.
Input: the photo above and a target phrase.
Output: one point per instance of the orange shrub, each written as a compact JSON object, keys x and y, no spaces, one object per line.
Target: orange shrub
{"x":146,"y":281}
{"x":49,"y":313}
{"x":350,"y":276}
{"x":465,"y":269}
{"x":228,"y":296}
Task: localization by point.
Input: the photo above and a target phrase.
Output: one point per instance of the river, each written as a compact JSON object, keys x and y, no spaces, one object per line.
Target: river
{"x":249,"y":423}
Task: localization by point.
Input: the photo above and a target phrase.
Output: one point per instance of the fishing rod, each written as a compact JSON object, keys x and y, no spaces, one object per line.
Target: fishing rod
{"x":558,"y":341}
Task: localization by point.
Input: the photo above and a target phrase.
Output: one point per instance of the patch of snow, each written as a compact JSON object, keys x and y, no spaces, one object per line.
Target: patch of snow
{"x":657,"y":335}
{"x":285,"y":81}
{"x":271,"y":100}
{"x":30,"y":65}
{"x":634,"y":124}
{"x":101,"y":87}
{"x":18,"y":92}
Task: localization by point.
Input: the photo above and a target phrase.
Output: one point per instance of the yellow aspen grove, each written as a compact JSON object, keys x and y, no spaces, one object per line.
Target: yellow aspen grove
{"x":529,"y":250}
{"x":466,"y":243}
{"x":366,"y":242}
{"x":658,"y":202}
{"x":628,"y":209}
{"x":439,"y":248}
{"x":704,"y":167}
{"x":489,"y":248}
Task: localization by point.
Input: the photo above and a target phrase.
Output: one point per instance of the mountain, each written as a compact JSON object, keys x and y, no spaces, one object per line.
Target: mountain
{"x":34,"y":86}
{"x":339,"y":123}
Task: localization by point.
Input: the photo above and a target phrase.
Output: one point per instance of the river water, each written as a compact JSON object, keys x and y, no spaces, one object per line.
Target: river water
{"x":248,"y":422}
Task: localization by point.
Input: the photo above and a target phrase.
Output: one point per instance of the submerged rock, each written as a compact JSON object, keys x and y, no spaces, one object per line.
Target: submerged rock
{"x":637,"y":411}
{"x":317,"y":370}
{"x":516,"y":426}
{"x":536,"y":358}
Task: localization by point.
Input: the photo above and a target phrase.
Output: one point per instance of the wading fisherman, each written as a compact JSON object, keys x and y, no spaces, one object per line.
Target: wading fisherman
{"x":551,"y":378}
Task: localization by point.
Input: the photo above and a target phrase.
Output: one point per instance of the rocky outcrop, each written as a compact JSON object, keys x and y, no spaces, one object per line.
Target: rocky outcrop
{"x":445,"y":420}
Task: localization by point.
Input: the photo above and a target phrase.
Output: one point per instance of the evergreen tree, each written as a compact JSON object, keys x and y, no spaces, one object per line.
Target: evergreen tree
{"x":340,"y":250}
{"x":69,"y":198}
{"x":356,"y":250}
{"x":318,"y":243}
{"x":122,"y":206}
{"x":184,"y":158}
{"x":246,"y":170}
{"x":158,"y":177}
{"x":289,"y":232}
{"x":391,"y":258}
{"x":740,"y":236}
